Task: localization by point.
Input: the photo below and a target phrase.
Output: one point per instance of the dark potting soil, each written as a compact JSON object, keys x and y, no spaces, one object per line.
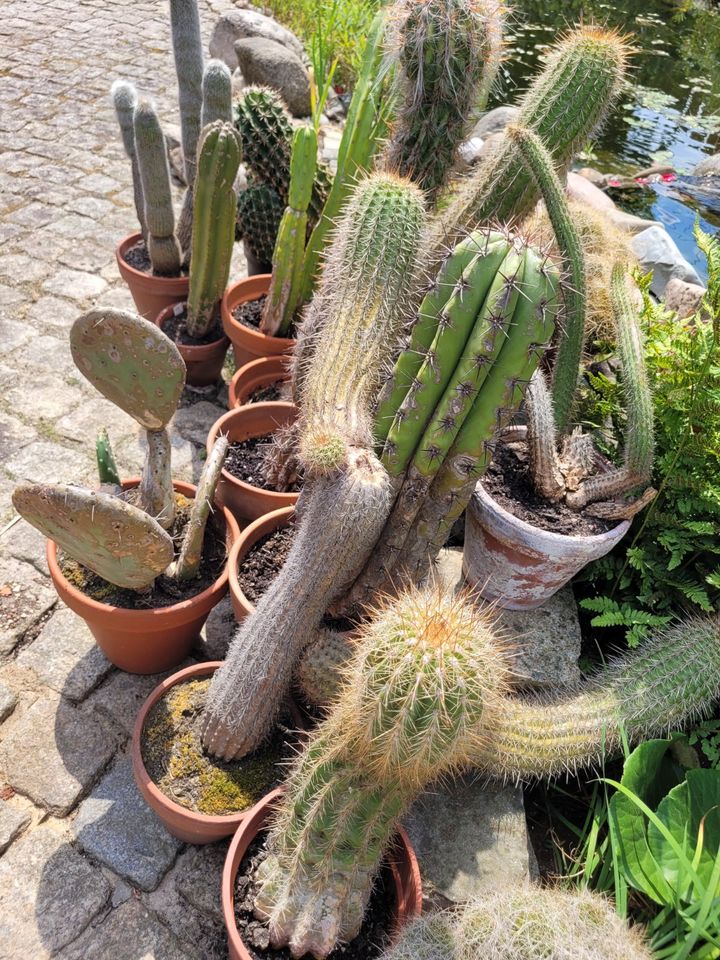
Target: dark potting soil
{"x":246,"y":460}
{"x":175,"y":328}
{"x":166,"y":590}
{"x":276,"y":391}
{"x":509,"y":483}
{"x":138,"y":258}
{"x":369,"y":943}
{"x":250,"y":312}
{"x":263,"y":561}
{"x":178,"y":765}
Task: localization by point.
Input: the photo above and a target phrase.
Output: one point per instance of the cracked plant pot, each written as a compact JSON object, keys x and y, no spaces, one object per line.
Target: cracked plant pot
{"x":147,"y":640}
{"x":519,"y":566}
{"x":267,"y":524}
{"x":151,"y":293}
{"x":245,"y":499}
{"x":203,"y":361}
{"x":249,"y":343}
{"x":406,"y":882}
{"x":258,"y":375}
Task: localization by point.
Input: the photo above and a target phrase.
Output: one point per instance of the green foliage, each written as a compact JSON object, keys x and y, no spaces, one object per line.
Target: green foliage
{"x":707,"y":737}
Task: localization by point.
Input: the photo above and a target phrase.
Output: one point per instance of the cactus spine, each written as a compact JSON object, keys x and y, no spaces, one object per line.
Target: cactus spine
{"x":216,"y":94}
{"x":448,"y":56}
{"x":259,"y":212}
{"x":214,"y":224}
{"x":163,"y":248}
{"x":283,"y":298}
{"x":124,"y":96}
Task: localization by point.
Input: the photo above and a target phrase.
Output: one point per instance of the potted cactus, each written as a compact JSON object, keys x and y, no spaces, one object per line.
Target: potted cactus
{"x":142,"y":562}
{"x":195,"y":325}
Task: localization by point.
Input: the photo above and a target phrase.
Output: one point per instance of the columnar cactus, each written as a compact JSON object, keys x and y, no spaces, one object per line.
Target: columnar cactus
{"x":213,"y":235}
{"x":124,"y":96}
{"x":216,"y":94}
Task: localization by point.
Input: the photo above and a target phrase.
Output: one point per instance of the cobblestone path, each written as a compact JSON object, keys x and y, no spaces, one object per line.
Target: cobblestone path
{"x":85,"y":869}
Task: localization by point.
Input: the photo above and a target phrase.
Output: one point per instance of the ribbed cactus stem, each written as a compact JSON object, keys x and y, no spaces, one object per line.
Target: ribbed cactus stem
{"x":571,"y":342}
{"x":542,"y":440}
{"x":157,"y":496}
{"x":259,"y":212}
{"x":215,"y":205}
{"x":639,"y":447}
{"x":319,"y":672}
{"x":188,"y":561}
{"x":285,"y":291}
{"x":447,"y":57}
{"x":216,"y":94}
{"x":124,"y":96}
{"x":107,"y":468}
{"x":162,"y":244}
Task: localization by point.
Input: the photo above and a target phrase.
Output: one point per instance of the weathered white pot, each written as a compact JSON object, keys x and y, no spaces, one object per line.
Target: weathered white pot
{"x":520,"y":566}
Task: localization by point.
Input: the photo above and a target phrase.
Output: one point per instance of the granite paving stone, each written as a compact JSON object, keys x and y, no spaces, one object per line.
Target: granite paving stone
{"x":12,"y":822}
{"x":25,"y":595}
{"x":8,"y":699}
{"x":121,"y":696}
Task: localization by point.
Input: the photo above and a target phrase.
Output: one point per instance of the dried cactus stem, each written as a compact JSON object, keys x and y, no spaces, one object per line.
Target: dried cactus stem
{"x":188,"y":561}
{"x":163,"y":248}
{"x":157,"y":496}
{"x":124,"y":96}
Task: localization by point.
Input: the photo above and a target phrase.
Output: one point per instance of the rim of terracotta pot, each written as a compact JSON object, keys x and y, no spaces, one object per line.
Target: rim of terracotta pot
{"x":408,"y":897}
{"x":246,"y":534}
{"x":129,"y":241}
{"x":199,"y":351}
{"x":250,"y":288}
{"x":132,"y":618}
{"x":257,"y":375}
{"x":249,"y":409}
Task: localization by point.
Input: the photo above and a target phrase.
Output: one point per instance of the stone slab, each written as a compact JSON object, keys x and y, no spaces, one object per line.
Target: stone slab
{"x":217,"y":632}
{"x":25,"y":595}
{"x":122,"y":695}
{"x":49,"y":894}
{"x":54,"y":752}
{"x":12,"y":822}
{"x":8,"y":699}
{"x":194,"y":422}
{"x":65,"y":656}
{"x":131,"y":932}
{"x":115,"y":826}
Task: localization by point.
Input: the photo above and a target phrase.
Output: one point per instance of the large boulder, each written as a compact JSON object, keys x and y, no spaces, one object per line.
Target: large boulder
{"x":240,"y":24}
{"x":494,"y":121}
{"x":683,"y":297}
{"x":657,"y":251}
{"x":269,"y":63}
{"x":709,"y":167}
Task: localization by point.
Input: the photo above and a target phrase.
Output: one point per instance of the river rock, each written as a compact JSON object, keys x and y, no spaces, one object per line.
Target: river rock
{"x":239,"y":24}
{"x":269,"y":63}
{"x":494,"y":121}
{"x":709,"y":167}
{"x":584,"y":191}
{"x":683,"y":297}
{"x":657,"y":251}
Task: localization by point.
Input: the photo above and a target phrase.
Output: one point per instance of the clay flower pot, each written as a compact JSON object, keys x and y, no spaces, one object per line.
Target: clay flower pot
{"x":249,"y":344}
{"x":521,"y":566}
{"x":402,"y":861}
{"x":253,"y":420}
{"x":255,"y":531}
{"x":183,"y":823}
{"x":151,"y":294}
{"x":263,"y":372}
{"x":145,"y":641}
{"x":203,"y":362}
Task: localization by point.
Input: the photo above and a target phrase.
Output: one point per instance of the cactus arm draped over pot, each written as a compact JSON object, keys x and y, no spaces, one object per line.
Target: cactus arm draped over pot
{"x":188,"y":55}
{"x":213,"y":236}
{"x":367,"y":289}
{"x":124,"y":96}
{"x":107,"y":468}
{"x":259,"y":212}
{"x":283,"y":297}
{"x":216,"y":94}
{"x":188,"y":561}
{"x":163,"y":247}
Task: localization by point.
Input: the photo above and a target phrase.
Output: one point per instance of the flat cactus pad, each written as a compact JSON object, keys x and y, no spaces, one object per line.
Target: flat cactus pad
{"x":131,"y":362}
{"x":112,"y":538}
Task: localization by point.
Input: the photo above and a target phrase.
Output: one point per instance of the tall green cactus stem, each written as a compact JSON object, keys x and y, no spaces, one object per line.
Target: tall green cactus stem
{"x":283,"y":298}
{"x":424,"y":672}
{"x":213,"y":236}
{"x":114,"y":539}
{"x":563,"y":106}
{"x":566,"y":367}
{"x":368,"y":286}
{"x":259,"y":212}
{"x":188,"y":561}
{"x":124,"y":97}
{"x":188,"y":53}
{"x":107,"y":468}
{"x":447,"y":58}
{"x":365,"y":127}
{"x":216,"y":94}
{"x":163,"y":247}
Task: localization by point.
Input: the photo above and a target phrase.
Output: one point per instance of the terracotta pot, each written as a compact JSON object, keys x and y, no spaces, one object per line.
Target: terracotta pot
{"x":151,"y":294}
{"x":402,"y":861}
{"x":521,"y":566}
{"x":249,"y":344}
{"x":203,"y":363}
{"x":145,"y":641}
{"x":185,"y":824}
{"x":263,"y":372}
{"x":253,"y":420}
{"x":259,"y":528}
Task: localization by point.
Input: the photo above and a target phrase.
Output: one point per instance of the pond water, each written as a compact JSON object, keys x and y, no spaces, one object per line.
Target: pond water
{"x":670,"y":113}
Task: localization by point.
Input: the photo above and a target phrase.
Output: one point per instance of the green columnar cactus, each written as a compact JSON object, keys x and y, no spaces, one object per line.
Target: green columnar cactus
{"x":283,"y":298}
{"x":216,"y":94}
{"x":259,"y":212}
{"x":163,"y":247}
{"x":107,"y":468}
{"x":367,"y":288}
{"x":448,"y":54}
{"x":187,"y":50}
{"x":215,"y":207}
{"x":563,"y":106}
{"x":124,"y":96}
{"x":526,"y":923}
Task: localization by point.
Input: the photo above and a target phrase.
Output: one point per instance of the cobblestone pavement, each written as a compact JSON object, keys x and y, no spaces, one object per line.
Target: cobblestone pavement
{"x":85,"y":869}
